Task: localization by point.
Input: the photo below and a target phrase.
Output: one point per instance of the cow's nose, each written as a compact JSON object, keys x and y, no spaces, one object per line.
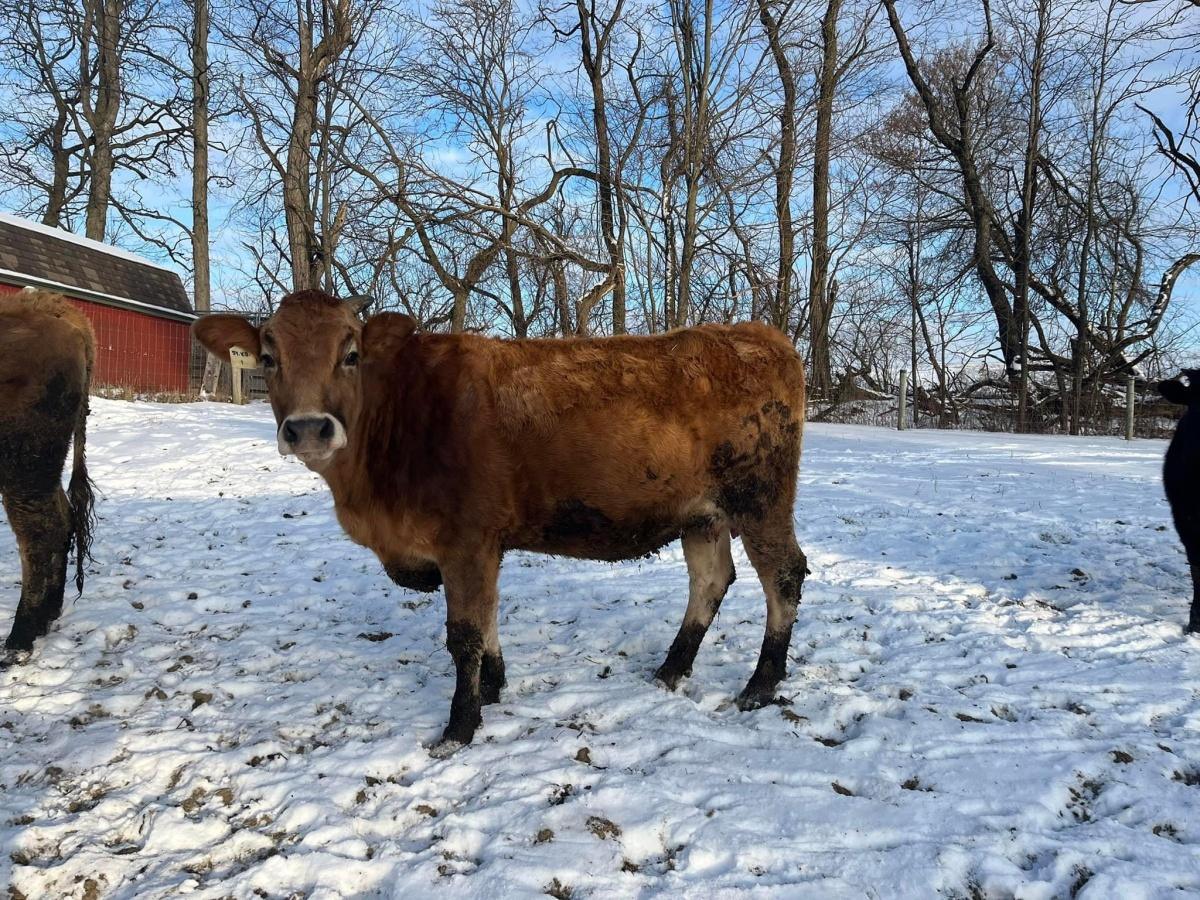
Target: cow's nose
{"x":308,"y":429}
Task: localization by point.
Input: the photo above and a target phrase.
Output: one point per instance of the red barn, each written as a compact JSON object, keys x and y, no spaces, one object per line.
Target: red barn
{"x":139,"y":310}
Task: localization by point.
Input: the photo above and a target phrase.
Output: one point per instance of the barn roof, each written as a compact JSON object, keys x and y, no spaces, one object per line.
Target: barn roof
{"x":36,"y":255}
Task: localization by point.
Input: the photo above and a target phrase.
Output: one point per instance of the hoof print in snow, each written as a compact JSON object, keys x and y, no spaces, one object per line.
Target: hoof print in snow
{"x":561,"y":792}
{"x":426,"y":810}
{"x":914,"y":784}
{"x":1166,"y":830}
{"x":841,"y":789}
{"x":584,"y":756}
{"x":199,"y":698}
{"x":1120,"y":756}
{"x":544,"y":836}
{"x":375,"y":636}
{"x":558,"y":890}
{"x":603,"y":828}
{"x":1190,"y":777}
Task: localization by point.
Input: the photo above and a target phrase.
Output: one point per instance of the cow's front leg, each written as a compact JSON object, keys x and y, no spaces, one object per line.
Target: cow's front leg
{"x":471,"y":602}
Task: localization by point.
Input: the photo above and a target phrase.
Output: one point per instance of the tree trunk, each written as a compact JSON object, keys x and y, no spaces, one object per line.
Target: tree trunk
{"x":594,"y":37}
{"x":785,"y":170}
{"x":56,"y":199}
{"x":1024,"y":223}
{"x":200,"y":82}
{"x":102,"y":21}
{"x":297,"y":209}
{"x":820,"y":304}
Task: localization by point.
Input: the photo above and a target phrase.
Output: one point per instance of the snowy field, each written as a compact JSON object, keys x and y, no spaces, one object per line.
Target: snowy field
{"x":990,"y":693}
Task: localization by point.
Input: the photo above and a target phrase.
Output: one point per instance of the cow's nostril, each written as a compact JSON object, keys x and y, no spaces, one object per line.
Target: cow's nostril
{"x":289,"y":433}
{"x":326,"y":432}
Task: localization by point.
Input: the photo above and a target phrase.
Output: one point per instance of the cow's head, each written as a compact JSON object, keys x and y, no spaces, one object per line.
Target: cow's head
{"x":311,"y":351}
{"x":1184,"y":390}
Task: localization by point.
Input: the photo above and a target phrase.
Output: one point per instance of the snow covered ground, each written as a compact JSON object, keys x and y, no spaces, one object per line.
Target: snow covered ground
{"x":991,"y":695}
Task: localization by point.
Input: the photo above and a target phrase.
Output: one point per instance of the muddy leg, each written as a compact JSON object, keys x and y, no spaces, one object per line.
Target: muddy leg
{"x":42,"y":527}
{"x":1193,"y":626}
{"x":491,"y":670}
{"x":471,"y":600}
{"x":781,"y":567}
{"x":710,"y":573}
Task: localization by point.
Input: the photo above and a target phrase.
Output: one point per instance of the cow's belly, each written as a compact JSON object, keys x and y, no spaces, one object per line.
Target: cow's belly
{"x":573,"y":528}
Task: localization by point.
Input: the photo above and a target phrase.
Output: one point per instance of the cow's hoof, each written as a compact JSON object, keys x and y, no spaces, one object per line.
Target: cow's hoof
{"x":444,"y":748}
{"x":669,"y":677}
{"x":20,"y":643}
{"x":10,"y":657}
{"x":755,"y":698}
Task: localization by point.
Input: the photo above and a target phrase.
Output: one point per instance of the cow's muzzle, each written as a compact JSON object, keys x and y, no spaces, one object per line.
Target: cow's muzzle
{"x":313,"y":437}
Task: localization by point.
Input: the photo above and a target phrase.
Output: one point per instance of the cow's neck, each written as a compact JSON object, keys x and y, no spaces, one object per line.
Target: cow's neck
{"x":392,"y":444}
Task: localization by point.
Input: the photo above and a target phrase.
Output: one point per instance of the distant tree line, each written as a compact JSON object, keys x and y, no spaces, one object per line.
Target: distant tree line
{"x":996,"y":197}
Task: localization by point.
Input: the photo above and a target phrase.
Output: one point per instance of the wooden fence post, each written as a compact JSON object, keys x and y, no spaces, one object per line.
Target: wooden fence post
{"x":1129,"y":409}
{"x":240,"y":360}
{"x":902,"y":421}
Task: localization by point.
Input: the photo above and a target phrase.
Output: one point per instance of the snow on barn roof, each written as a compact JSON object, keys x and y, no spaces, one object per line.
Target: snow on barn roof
{"x":36,"y":255}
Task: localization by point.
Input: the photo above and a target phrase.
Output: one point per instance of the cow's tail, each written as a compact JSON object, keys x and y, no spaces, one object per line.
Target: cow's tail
{"x":80,"y":496}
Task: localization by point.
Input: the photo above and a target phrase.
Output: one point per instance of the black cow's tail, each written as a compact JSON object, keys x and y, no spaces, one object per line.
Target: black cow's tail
{"x":80,"y":496}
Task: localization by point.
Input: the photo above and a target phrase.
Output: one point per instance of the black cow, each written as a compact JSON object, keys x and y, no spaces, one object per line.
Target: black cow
{"x":1181,"y":476}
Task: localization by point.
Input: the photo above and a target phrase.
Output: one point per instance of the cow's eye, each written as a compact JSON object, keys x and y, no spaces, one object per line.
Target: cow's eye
{"x":267,"y":361}
{"x":351,"y":359}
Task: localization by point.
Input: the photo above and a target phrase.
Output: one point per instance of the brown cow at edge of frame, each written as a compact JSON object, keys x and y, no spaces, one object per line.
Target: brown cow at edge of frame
{"x":445,"y":451}
{"x":47,"y":351}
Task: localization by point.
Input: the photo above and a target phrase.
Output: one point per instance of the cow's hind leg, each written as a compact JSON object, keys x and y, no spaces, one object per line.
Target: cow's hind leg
{"x":471,"y":606}
{"x":491,"y":668}
{"x":710,"y":573}
{"x":781,"y":567}
{"x":1193,"y":625}
{"x":43,"y":528}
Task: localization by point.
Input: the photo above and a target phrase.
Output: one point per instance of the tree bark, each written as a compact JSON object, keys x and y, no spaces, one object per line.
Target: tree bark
{"x":785,"y":170}
{"x":594,"y":39}
{"x":101,"y":24}
{"x":1024,"y":225}
{"x":820,"y":311}
{"x":200,"y":86}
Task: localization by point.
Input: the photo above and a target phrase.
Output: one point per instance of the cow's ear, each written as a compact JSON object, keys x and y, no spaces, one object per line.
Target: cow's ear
{"x":221,"y":331}
{"x":1175,"y":391}
{"x":386,"y":331}
{"x":359,"y":303}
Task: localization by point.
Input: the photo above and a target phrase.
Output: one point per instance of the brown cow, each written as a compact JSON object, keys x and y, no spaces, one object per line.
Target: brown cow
{"x":46,"y":356}
{"x":445,"y":451}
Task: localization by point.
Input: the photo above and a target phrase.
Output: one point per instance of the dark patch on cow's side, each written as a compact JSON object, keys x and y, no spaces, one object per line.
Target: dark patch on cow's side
{"x":577,"y":529}
{"x":771,"y":669}
{"x":754,"y":474}
{"x":491,"y":678}
{"x":424,"y":580}
{"x":777,"y":408}
{"x":59,"y":401}
{"x":651,"y":475}
{"x":465,"y":643}
{"x":742,"y":490}
{"x":574,"y":520}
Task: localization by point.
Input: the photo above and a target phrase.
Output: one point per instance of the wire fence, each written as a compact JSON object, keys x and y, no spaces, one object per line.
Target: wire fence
{"x":1106,"y":413}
